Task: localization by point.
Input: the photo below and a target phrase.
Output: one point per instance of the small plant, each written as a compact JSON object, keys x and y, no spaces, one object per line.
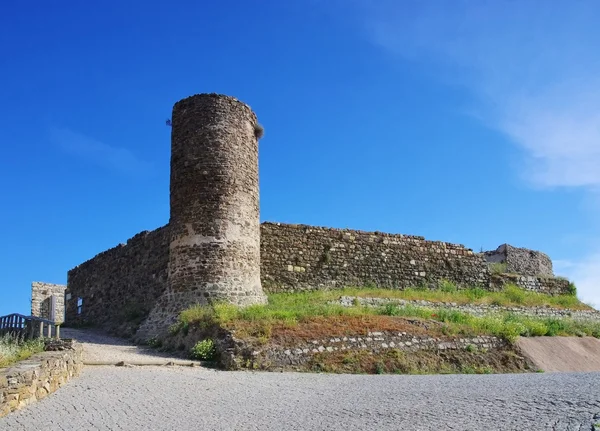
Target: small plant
{"x":204,"y":350}
{"x":497,"y":268}
{"x":154,"y":342}
{"x":370,"y":284}
{"x":476,"y":293}
{"x":379,"y":368}
{"x":572,"y":289}
{"x":259,"y":131}
{"x":471,"y":348}
{"x":447,"y":286}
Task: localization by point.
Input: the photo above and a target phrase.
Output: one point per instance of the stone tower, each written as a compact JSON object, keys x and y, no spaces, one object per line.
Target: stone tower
{"x":215,"y":228}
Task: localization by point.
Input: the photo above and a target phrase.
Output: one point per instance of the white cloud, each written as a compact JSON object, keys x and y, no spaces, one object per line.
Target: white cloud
{"x":115,"y":158}
{"x":586,"y":275}
{"x":534,"y":67}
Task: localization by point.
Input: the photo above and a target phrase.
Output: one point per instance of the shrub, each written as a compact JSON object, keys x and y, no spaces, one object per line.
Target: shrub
{"x":447,"y":286}
{"x":497,"y":268}
{"x":572,"y":289}
{"x":204,"y":350}
{"x":154,"y":342}
{"x":259,"y":131}
{"x":476,"y":293}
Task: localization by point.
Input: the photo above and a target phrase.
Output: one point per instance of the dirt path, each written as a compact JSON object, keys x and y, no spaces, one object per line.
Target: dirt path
{"x":562,"y":353}
{"x":101,"y":349}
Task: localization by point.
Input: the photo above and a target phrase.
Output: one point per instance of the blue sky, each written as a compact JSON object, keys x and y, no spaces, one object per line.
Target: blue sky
{"x":464,"y":121}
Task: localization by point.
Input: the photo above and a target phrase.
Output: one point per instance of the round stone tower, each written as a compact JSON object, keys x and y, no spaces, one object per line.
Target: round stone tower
{"x":215,"y":226}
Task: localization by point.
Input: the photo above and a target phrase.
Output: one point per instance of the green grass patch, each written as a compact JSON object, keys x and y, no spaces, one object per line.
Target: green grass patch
{"x":497,"y":268}
{"x":14,"y":349}
{"x":289,"y":309}
{"x":510,"y":296}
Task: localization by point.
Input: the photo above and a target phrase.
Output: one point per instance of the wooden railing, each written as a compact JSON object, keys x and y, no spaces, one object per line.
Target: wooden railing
{"x":28,"y":326}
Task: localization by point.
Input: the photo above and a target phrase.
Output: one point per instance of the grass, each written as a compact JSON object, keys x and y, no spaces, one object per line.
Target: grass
{"x":288,"y":310}
{"x":510,"y":296}
{"x":14,"y":349}
{"x":497,"y":268}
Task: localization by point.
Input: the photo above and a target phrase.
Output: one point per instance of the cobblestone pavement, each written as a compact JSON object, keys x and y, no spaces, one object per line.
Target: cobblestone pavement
{"x":100,"y":348}
{"x":182,"y":398}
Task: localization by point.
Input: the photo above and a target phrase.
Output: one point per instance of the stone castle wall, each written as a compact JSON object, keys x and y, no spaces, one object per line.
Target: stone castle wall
{"x":41,"y":300}
{"x":300,"y":257}
{"x":120,"y":286}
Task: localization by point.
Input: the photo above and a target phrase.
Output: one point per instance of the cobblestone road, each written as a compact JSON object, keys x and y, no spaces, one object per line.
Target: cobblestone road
{"x":180,"y":398}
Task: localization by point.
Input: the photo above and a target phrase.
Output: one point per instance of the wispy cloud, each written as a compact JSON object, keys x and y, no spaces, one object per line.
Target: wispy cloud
{"x":115,"y":158}
{"x":534,"y":69}
{"x":534,"y":66}
{"x":586,"y":273}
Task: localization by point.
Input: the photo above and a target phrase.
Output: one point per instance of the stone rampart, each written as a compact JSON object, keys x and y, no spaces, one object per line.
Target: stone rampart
{"x":521,"y":260}
{"x":118,"y":288}
{"x":300,"y":257}
{"x":34,"y":378}
{"x":540,"y":284}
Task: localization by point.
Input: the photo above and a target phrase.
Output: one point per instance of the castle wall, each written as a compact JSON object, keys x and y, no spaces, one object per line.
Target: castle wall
{"x":41,"y":300}
{"x":521,"y":260}
{"x":300,"y":257}
{"x":120,"y":286}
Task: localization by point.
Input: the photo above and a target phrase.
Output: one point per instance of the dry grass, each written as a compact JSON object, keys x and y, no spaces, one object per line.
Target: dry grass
{"x":14,"y":350}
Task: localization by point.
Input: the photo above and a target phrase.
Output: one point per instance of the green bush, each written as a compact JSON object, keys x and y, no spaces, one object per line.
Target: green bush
{"x":204,"y":350}
{"x":447,"y":286}
{"x":476,"y":293}
{"x":497,"y":268}
{"x":572,"y":289}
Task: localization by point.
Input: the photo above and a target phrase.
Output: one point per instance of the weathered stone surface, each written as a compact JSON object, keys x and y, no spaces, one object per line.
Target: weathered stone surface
{"x":120,"y":286}
{"x":41,"y":297}
{"x":36,"y":377}
{"x":336,"y":258}
{"x":540,"y":284}
{"x":214,"y":252}
{"x":521,"y":260}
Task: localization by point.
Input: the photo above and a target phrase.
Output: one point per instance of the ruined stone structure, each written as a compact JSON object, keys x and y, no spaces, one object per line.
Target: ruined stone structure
{"x":214,"y":249}
{"x":48,"y":301}
{"x":521,"y":260}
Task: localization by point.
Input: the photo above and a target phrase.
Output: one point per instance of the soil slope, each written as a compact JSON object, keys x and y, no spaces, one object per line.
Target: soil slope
{"x":562,"y":353}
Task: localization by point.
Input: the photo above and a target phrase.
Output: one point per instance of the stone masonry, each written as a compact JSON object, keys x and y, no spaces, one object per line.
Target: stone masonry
{"x":214,"y":252}
{"x":300,"y":257}
{"x":41,"y":300}
{"x":521,"y":260}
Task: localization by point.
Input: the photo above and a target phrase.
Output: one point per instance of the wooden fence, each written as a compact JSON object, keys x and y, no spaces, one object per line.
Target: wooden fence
{"x":28,"y":326}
